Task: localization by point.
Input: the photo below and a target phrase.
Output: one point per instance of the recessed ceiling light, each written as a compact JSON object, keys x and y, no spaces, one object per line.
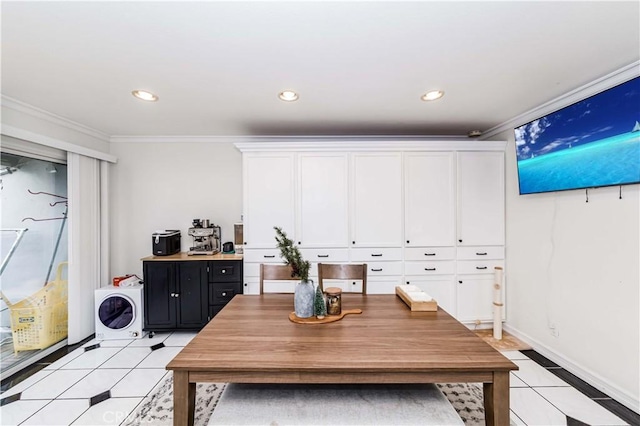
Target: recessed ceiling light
{"x":144,"y":95}
{"x":432,"y":95}
{"x":288,"y":96}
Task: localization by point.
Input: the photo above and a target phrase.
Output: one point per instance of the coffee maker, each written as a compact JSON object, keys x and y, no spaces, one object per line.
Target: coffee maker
{"x":206,"y":237}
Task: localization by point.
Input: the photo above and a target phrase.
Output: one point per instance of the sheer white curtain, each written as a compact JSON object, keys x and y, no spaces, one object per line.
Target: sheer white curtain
{"x":88,"y":240}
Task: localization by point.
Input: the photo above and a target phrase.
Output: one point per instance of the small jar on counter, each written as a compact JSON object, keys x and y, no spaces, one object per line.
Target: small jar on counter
{"x":334,"y":300}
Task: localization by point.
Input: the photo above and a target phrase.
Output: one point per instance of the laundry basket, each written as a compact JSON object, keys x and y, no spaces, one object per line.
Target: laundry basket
{"x":41,"y":319}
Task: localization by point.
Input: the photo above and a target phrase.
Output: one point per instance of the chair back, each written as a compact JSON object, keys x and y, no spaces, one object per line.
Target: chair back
{"x":329,"y":271}
{"x":275,"y":272}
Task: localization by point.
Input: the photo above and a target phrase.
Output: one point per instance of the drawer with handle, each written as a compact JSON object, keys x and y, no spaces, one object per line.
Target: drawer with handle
{"x":222,"y":271}
{"x":366,"y":255}
{"x":383,"y":268}
{"x":223,"y":293}
{"x":262,"y":255}
{"x":478,"y":266}
{"x":481,"y":252}
{"x":430,"y":253}
{"x":325,"y":255}
{"x":444,"y":267}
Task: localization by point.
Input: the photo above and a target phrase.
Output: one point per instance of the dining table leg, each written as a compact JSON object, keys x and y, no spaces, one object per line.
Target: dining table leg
{"x":184,"y":399}
{"x":496,"y":400}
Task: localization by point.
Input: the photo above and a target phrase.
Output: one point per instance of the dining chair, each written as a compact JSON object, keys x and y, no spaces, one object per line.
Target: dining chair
{"x":329,"y":271}
{"x":275,"y":272}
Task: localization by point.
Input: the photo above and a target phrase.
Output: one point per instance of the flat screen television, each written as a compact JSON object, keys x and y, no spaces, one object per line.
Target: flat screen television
{"x":591,"y":143}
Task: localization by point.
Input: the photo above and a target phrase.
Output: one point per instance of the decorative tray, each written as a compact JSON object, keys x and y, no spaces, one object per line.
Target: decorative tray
{"x":416,"y":299}
{"x":328,"y":318}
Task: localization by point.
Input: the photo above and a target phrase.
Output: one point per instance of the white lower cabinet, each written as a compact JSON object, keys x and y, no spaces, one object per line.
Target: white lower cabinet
{"x":251,"y":285}
{"x":383,"y":285}
{"x":253,"y":258}
{"x":347,"y":286}
{"x":440,"y":287}
{"x":474,"y":298}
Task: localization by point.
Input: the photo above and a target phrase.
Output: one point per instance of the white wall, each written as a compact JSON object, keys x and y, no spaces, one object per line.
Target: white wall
{"x":165,"y":185}
{"x":575,"y":266}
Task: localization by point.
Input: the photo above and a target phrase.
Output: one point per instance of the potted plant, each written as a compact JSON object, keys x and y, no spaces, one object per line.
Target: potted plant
{"x":304,"y":294}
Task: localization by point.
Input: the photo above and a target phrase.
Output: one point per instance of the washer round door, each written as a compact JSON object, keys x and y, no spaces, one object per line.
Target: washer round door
{"x":117,"y":312}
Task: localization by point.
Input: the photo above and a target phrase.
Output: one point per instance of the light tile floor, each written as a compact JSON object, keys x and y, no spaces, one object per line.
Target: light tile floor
{"x":60,"y":393}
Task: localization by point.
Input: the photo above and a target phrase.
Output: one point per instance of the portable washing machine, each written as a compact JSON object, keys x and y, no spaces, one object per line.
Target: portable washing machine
{"x":119,"y":312}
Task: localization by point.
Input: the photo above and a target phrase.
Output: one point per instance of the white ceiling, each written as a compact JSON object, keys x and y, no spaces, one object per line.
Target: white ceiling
{"x":360,"y":67}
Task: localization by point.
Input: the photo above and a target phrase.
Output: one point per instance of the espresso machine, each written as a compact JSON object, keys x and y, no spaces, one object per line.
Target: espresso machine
{"x":206,"y":237}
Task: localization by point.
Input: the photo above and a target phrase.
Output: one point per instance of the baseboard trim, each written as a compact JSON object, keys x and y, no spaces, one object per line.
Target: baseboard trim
{"x":571,"y":366}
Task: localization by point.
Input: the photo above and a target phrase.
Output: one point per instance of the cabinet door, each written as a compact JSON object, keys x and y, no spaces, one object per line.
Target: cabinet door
{"x":192,"y":295}
{"x":475,"y":297}
{"x":376,"y":197}
{"x":429,"y":199}
{"x":159,"y":286}
{"x":268,"y":197}
{"x":322,"y":200}
{"x":440,"y":288}
{"x":480,"y":198}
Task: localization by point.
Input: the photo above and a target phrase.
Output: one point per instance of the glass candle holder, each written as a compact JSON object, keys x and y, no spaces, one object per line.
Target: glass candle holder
{"x":334,"y":300}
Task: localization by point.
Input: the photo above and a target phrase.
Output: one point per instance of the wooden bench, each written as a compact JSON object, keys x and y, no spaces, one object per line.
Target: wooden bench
{"x":288,"y":404}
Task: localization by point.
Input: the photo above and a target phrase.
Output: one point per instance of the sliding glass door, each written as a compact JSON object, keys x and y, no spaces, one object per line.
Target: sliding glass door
{"x":34,"y":253}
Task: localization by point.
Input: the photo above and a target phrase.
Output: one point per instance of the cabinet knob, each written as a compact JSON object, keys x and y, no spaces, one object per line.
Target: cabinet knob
{"x":459,"y":282}
{"x":246,"y":285}
{"x":173,"y":295}
{"x":176,"y":295}
{"x":459,"y":241}
{"x":353,"y":242}
{"x":224,"y":271}
{"x":408,"y":241}
{"x":224,"y":294}
{"x":299,"y":242}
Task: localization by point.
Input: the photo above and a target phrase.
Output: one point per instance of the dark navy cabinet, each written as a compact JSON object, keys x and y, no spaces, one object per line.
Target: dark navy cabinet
{"x":185,"y":295}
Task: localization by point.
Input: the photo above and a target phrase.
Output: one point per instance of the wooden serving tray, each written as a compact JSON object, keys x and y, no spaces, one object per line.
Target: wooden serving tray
{"x":419,"y":306}
{"x":328,"y":318}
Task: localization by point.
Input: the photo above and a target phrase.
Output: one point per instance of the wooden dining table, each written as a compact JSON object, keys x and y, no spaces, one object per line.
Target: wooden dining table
{"x":252,"y":340}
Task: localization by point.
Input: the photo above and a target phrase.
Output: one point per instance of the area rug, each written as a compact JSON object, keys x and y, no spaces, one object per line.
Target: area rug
{"x":157,"y":409}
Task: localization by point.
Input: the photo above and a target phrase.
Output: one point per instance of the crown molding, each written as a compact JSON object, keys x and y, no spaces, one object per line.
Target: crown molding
{"x":29,"y":136}
{"x":368,"y":144}
{"x":39,"y":113}
{"x":276,"y":139}
{"x":608,"y":81}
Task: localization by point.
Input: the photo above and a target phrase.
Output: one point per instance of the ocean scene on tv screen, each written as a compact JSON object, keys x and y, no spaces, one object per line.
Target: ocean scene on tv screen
{"x":594,"y":142}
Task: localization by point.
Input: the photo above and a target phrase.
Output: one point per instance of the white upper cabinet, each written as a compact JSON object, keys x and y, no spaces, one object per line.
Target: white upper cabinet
{"x":429,"y":187}
{"x":480,"y":198}
{"x":323,"y":210}
{"x":268,"y":197}
{"x":376,"y":199}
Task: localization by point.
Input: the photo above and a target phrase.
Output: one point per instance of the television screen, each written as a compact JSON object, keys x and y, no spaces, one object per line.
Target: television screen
{"x":591,"y":143}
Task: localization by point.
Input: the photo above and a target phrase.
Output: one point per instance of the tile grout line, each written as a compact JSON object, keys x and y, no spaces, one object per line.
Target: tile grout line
{"x":575,"y":386}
